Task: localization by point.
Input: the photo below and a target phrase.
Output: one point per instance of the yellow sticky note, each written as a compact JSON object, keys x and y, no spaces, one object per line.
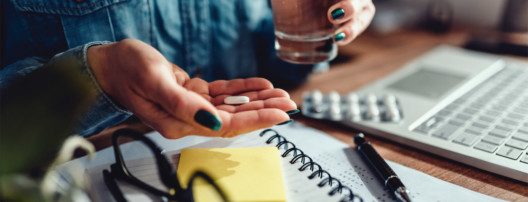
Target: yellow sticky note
{"x":245,"y":174}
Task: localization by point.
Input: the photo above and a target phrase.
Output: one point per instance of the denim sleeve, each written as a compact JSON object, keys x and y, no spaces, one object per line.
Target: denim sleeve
{"x":103,"y":113}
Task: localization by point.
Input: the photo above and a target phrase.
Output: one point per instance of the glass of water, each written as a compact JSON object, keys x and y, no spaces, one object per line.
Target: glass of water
{"x":303,"y":33}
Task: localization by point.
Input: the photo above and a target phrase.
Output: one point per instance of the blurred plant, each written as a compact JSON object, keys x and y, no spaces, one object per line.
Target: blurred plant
{"x":59,"y":183}
{"x":37,"y":113}
{"x":70,"y":178}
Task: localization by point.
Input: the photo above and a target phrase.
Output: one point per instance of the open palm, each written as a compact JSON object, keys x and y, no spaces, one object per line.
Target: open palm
{"x":266,"y":108}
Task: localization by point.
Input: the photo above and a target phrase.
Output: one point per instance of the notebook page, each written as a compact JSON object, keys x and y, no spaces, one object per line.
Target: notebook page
{"x":346,"y":164}
{"x":338,"y":158}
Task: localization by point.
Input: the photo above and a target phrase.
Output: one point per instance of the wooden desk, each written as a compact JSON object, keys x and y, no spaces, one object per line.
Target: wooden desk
{"x":371,"y":57}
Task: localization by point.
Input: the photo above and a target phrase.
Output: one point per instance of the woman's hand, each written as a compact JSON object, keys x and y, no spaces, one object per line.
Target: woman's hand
{"x":352,"y":18}
{"x":266,"y":108}
{"x":163,"y":96}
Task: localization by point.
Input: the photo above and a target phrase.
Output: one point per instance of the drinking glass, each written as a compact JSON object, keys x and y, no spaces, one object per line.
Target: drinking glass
{"x":303,"y":33}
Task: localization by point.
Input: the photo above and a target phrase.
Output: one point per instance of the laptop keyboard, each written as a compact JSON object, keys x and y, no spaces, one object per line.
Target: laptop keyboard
{"x":491,"y":117}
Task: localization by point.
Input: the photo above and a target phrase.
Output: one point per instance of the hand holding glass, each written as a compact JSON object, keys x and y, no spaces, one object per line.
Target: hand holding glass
{"x":308,"y":31}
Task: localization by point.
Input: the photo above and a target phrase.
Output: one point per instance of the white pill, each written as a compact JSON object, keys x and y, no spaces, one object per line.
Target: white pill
{"x":334,"y":97}
{"x":389,"y":99}
{"x":372,"y":107}
{"x":335,"y":112}
{"x":371,"y":99}
{"x":316,"y":97}
{"x":236,"y":100}
{"x":373,"y":112}
{"x":354,"y":111}
{"x":352,"y":98}
{"x":392,"y":113}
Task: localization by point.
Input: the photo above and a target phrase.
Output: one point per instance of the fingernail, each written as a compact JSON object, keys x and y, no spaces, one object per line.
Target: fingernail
{"x":339,"y":36}
{"x":337,"y":13}
{"x":208,"y":120}
{"x":295,"y":111}
{"x":286,"y":122}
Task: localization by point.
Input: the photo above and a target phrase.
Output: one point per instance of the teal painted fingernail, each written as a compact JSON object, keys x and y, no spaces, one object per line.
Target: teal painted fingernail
{"x":286,"y":122}
{"x":339,"y":36}
{"x":337,"y":13}
{"x":295,"y":111}
{"x":208,"y":120}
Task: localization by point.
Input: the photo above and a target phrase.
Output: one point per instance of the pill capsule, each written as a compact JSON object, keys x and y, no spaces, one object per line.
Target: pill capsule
{"x":335,"y":112}
{"x":334,"y":97}
{"x":389,"y":99}
{"x":354,"y":111}
{"x":317,"y":97}
{"x":352,"y":98}
{"x":236,"y":100}
{"x":373,"y":112}
{"x":392,"y":112}
{"x":371,"y":99}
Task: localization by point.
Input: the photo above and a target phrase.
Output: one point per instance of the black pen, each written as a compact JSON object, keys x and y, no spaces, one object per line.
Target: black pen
{"x":392,"y":181}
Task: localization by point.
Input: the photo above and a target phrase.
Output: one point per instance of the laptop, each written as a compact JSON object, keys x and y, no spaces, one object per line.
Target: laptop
{"x":464,"y":105}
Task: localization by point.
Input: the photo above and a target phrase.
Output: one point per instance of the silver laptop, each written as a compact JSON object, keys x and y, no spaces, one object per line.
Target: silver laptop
{"x":463,"y":105}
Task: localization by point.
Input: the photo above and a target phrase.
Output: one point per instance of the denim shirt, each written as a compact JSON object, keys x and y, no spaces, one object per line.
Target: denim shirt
{"x":211,"y":39}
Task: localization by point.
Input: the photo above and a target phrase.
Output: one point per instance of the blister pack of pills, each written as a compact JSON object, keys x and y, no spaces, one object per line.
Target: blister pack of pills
{"x":351,"y":107}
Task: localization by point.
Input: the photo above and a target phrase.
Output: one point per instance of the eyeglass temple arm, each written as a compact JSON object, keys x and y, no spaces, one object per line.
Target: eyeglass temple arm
{"x":112,"y":186}
{"x":165,"y":170}
{"x":203,"y":175}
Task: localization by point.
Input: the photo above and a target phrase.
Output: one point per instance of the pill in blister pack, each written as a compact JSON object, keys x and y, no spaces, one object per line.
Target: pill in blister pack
{"x":351,"y":107}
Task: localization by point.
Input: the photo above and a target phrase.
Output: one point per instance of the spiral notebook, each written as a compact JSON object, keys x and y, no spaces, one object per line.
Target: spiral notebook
{"x":316,"y":167}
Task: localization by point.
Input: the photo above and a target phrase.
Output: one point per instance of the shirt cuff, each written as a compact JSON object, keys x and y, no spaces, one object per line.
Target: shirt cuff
{"x":88,"y":71}
{"x":104,"y":112}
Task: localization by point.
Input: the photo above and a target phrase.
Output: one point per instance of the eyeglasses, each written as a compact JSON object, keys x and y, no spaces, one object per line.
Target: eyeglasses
{"x":167,"y":175}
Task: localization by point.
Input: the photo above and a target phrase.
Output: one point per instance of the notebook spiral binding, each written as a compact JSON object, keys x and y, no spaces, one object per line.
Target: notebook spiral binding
{"x":307,"y":162}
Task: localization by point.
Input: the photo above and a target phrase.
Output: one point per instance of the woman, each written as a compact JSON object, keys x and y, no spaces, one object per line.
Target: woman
{"x":139,"y":54}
